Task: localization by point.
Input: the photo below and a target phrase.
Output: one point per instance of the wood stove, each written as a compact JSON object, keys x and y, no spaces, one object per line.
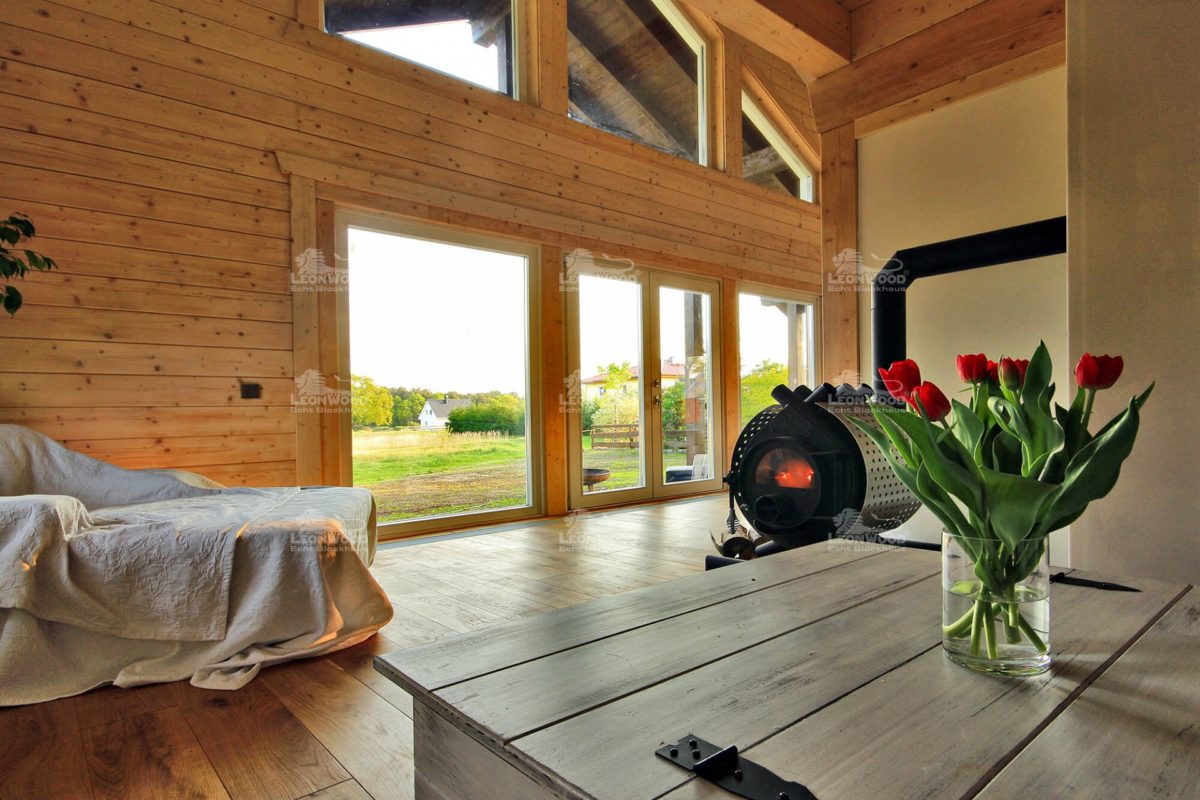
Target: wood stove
{"x":802,"y":473}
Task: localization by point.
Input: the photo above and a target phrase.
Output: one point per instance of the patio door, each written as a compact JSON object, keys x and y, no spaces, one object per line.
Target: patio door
{"x":643,"y":356}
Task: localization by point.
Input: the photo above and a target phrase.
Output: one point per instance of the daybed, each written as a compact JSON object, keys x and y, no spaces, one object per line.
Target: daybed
{"x":128,"y":577}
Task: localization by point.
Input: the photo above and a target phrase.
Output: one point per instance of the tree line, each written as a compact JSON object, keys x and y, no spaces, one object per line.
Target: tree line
{"x":376,"y":406}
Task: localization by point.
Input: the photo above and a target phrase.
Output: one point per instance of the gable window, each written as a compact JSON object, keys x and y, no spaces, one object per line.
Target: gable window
{"x":768,"y":159}
{"x":636,"y":69}
{"x":469,"y":39}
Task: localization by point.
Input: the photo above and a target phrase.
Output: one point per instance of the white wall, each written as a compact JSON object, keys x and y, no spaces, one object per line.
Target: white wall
{"x":990,"y":162}
{"x":1134,"y":231}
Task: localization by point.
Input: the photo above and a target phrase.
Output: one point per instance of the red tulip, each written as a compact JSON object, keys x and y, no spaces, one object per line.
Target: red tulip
{"x":1098,"y":372}
{"x":932,"y":400}
{"x":972,"y":368}
{"x":993,"y":371}
{"x":1012,"y":372}
{"x":902,"y":378}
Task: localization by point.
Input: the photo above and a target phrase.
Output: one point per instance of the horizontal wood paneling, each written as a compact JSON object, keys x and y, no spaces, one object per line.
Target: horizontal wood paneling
{"x":188,"y":451}
{"x":147,"y":421}
{"x":142,"y":136}
{"x":117,"y":358}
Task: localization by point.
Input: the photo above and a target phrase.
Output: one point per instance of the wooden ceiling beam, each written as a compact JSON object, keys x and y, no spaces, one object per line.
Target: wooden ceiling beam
{"x":976,"y":40}
{"x":811,"y":35}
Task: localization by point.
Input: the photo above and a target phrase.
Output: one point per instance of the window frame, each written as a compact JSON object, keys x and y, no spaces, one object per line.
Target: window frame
{"x":312,"y":14}
{"x":767,"y":127}
{"x":703,"y":47}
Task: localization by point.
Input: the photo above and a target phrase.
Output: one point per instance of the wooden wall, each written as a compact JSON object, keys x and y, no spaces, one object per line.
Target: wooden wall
{"x":144,"y":138}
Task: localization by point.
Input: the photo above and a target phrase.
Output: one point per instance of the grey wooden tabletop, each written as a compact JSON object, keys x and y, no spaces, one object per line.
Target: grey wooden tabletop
{"x":825,"y":665}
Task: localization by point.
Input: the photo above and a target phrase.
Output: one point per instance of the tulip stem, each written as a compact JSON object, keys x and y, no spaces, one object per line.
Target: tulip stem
{"x":1089,"y":398}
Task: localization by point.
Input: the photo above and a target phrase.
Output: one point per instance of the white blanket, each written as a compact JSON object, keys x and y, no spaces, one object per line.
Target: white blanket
{"x":118,"y":576}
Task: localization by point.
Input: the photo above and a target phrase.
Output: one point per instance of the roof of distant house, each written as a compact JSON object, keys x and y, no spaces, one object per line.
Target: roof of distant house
{"x":669,"y":367}
{"x":442,"y":408}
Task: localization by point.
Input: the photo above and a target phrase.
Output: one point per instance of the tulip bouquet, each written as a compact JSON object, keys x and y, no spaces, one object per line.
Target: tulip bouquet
{"x":1001,"y":473}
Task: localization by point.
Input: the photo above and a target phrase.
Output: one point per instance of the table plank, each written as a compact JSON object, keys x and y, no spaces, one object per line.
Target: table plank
{"x":932,"y":728}
{"x":523,"y":698}
{"x":739,"y":699}
{"x":1135,"y":732}
{"x":458,"y":658}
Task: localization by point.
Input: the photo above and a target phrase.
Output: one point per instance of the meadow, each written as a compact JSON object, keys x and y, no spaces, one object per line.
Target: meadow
{"x":415,"y":473}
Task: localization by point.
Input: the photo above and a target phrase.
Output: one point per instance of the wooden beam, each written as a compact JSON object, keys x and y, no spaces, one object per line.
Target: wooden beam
{"x":839,"y":234}
{"x":883,"y":22}
{"x":731,"y":381}
{"x":542,"y":61}
{"x":811,"y":35}
{"x":636,"y":121}
{"x":978,"y":39}
{"x":762,"y":162}
{"x":552,"y":354}
{"x":1019,"y":69}
{"x":305,"y":324}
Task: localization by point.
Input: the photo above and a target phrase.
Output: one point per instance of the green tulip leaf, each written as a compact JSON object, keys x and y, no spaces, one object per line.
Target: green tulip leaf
{"x":967,"y":426}
{"x":1037,"y":375}
{"x":1014,"y":504}
{"x":1093,"y":471}
{"x":947,"y":473}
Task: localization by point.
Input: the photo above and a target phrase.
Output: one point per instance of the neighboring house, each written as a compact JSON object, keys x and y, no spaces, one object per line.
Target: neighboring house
{"x":593,"y":387}
{"x":436,"y":413}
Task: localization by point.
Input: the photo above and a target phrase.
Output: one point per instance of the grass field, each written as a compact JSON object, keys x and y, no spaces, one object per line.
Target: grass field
{"x":415,"y":473}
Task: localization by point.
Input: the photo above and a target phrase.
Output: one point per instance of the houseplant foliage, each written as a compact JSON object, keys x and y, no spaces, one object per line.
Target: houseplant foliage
{"x":1002,"y":473}
{"x":15,"y":262}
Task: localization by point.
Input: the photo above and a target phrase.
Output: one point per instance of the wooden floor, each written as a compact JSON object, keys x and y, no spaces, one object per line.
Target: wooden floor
{"x":332,"y":728}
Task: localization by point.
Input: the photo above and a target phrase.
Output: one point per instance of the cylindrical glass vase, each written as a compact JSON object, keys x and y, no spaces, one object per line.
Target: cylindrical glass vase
{"x":996,"y":605}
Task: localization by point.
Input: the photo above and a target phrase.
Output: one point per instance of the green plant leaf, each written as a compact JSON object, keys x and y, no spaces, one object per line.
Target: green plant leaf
{"x":1037,"y":374}
{"x":1093,"y":471}
{"x":967,"y":427}
{"x":12,"y":299}
{"x":940,"y":503}
{"x":947,"y":473}
{"x":1014,"y":504}
{"x":1006,"y":452}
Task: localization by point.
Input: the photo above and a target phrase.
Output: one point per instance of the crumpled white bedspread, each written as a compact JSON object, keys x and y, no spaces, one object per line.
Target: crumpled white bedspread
{"x":130,"y":577}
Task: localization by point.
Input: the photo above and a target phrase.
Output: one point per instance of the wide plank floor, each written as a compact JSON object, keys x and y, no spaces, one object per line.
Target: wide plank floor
{"x":332,"y":728}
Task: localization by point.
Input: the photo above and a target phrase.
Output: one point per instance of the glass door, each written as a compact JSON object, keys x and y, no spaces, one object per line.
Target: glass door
{"x":683,"y":385}
{"x":641,"y":392}
{"x":607,"y":390}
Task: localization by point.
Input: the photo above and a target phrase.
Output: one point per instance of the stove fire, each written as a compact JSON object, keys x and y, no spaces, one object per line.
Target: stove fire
{"x":786,"y":469}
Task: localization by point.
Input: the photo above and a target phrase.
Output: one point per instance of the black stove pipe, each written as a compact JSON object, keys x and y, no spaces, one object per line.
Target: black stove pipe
{"x":889,"y":292}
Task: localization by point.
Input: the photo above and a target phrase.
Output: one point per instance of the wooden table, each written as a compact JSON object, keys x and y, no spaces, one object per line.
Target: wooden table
{"x":823,"y":664}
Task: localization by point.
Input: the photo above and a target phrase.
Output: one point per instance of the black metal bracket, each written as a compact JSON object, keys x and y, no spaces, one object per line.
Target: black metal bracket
{"x":733,"y":773}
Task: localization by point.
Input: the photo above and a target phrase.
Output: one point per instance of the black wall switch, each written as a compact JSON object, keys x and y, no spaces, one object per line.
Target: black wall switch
{"x":251,"y":391}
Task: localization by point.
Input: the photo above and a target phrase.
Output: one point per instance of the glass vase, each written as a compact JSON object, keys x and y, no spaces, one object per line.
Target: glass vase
{"x":996,"y":605}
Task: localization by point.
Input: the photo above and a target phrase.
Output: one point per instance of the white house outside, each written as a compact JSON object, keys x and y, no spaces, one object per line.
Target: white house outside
{"x":436,"y":413}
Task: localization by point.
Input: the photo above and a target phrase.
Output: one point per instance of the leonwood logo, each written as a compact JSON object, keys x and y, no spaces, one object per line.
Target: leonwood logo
{"x":314,"y":274}
{"x":313,"y":394}
{"x":851,"y":274}
{"x":581,"y":261}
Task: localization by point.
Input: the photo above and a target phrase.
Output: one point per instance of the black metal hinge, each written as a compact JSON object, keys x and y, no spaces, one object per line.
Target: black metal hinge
{"x":724,"y":767}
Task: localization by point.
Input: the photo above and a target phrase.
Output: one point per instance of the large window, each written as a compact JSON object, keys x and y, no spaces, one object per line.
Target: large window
{"x":775,"y":345}
{"x":767,"y":158}
{"x":636,"y":69}
{"x":469,"y":39}
{"x":440,"y":373}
